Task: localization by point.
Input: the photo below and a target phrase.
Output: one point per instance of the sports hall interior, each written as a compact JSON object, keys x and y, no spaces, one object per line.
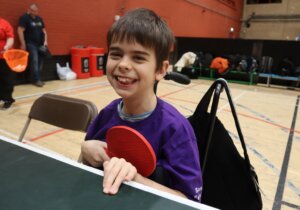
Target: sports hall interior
{"x":266,"y":96}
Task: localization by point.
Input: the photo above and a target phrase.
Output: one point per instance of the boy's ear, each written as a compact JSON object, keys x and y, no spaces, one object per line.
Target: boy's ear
{"x":160,"y":73}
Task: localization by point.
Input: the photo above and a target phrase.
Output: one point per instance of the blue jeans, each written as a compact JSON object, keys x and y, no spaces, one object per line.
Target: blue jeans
{"x":36,"y":61}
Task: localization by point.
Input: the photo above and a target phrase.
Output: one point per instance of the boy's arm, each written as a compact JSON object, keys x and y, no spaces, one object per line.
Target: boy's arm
{"x":117,"y":170}
{"x":148,"y":182}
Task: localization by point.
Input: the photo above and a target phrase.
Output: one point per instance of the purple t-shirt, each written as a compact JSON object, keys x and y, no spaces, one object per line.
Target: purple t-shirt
{"x":172,"y":138}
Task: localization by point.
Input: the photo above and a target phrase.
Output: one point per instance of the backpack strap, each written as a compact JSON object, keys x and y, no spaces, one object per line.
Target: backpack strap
{"x":215,"y":90}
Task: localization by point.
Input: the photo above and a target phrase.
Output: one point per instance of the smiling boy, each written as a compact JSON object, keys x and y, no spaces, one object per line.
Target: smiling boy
{"x":139,"y":44}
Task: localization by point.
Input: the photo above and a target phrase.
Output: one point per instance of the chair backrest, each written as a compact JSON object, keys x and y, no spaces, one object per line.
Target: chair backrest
{"x":61,"y":111}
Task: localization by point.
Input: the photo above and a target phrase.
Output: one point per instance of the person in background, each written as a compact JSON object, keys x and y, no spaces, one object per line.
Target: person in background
{"x":6,"y":75}
{"x":139,"y":44}
{"x":33,"y":37}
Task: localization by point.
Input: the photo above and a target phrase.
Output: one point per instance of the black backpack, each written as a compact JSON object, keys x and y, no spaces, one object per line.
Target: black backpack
{"x":229,"y":180}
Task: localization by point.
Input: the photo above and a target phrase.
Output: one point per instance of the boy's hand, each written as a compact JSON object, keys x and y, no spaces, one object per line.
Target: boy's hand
{"x":93,"y":152}
{"x":116,"y":171}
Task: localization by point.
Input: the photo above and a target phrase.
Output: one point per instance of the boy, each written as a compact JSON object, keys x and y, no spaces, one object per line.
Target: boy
{"x":139,"y":45}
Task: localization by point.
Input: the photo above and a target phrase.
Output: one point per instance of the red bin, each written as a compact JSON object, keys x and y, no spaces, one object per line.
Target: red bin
{"x":96,"y":61}
{"x":80,"y":61}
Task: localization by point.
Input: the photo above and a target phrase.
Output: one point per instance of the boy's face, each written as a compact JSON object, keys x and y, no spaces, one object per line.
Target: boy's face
{"x":131,"y":70}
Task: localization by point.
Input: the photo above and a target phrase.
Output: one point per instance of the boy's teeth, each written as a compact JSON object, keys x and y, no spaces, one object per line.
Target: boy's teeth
{"x":125,"y":80}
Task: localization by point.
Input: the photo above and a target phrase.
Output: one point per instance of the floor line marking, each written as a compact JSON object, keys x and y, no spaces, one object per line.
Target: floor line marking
{"x":27,"y":100}
{"x":173,"y":92}
{"x":62,"y":90}
{"x":285,"y":162}
{"x":235,"y":99}
{"x":46,"y":134}
{"x":267,"y":163}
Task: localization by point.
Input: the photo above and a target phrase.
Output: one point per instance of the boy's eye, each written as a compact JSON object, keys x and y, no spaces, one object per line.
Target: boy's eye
{"x":139,"y":58}
{"x":115,"y":55}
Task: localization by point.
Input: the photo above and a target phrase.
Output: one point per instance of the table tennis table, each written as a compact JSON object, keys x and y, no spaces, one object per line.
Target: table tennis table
{"x":31,"y":178}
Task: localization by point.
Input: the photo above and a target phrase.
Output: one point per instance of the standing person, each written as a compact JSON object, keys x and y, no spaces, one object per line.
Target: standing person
{"x":139,"y":44}
{"x":33,"y":36}
{"x":6,"y":75}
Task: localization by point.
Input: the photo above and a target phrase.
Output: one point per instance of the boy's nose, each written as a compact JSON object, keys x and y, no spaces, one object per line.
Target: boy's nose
{"x":124,"y":63}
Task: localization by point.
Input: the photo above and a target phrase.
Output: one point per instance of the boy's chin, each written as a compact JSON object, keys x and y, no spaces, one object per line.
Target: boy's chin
{"x":125,"y":94}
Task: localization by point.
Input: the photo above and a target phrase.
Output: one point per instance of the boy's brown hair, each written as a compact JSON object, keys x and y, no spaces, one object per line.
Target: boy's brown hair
{"x":147,"y":29}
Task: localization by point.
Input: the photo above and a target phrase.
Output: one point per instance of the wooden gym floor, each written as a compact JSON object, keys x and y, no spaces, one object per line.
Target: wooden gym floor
{"x":269,"y":118}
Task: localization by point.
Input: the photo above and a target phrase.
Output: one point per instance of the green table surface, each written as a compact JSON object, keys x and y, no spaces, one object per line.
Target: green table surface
{"x":30,"y":180}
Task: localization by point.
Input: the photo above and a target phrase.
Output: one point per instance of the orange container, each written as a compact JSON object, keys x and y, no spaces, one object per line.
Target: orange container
{"x":96,"y":61}
{"x":16,"y":59}
{"x":80,"y":57}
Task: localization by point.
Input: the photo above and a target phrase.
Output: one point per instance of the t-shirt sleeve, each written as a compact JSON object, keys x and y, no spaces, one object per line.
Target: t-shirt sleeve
{"x":43,"y":24}
{"x":94,"y":126}
{"x":98,"y":128}
{"x":23,"y":21}
{"x":183,"y":165}
{"x":9,"y":31}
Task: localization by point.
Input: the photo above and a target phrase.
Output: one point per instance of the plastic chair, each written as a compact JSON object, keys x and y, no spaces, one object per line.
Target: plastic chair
{"x":61,"y":111}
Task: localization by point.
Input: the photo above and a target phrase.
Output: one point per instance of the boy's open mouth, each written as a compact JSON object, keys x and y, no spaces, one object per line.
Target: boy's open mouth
{"x":125,"y":80}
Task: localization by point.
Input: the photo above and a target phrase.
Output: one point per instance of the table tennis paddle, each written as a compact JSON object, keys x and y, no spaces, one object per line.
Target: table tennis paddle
{"x":128,"y":143}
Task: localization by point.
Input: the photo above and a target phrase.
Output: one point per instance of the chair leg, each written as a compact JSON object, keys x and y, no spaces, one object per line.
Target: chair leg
{"x":24,"y":130}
